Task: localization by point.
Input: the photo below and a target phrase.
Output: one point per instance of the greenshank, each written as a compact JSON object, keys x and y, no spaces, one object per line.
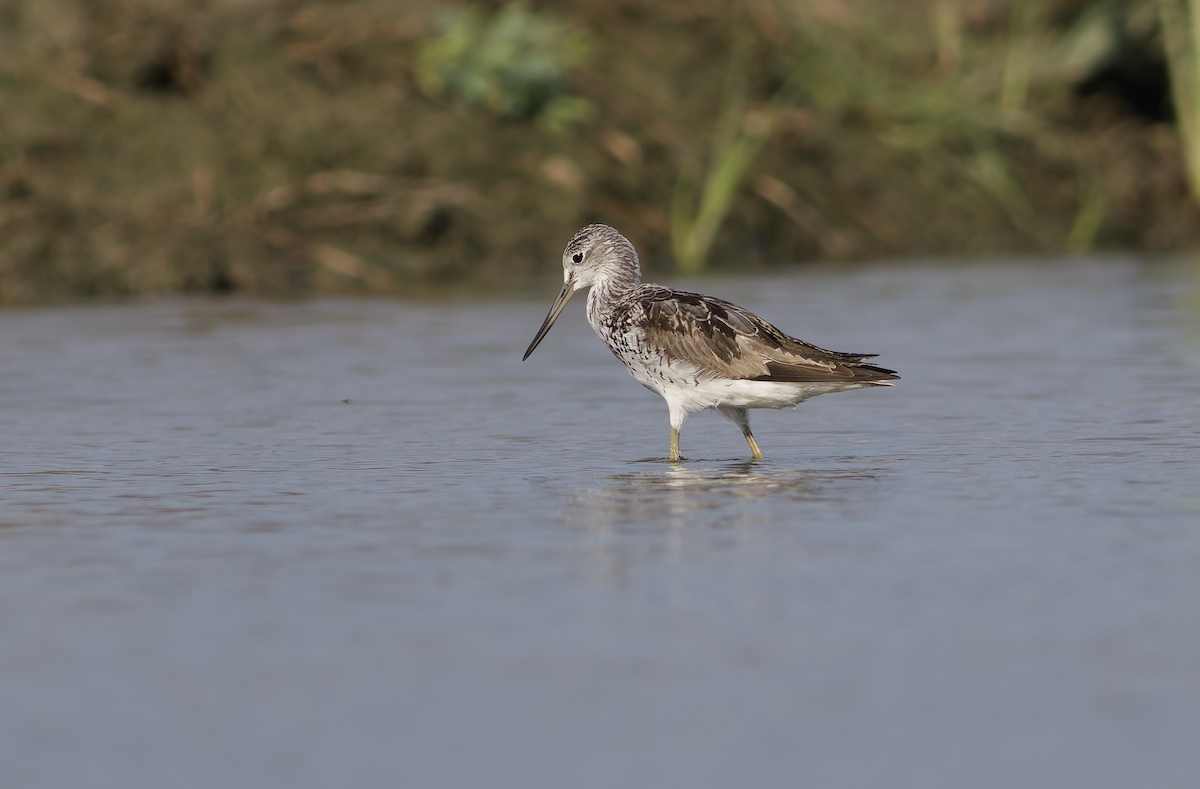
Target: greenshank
{"x":696,"y":351}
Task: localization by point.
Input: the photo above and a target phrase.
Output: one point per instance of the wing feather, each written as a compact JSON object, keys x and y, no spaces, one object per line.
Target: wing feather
{"x":730,"y":342}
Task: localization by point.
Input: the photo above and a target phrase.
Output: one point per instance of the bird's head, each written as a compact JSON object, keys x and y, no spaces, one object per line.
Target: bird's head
{"x":597,"y":253}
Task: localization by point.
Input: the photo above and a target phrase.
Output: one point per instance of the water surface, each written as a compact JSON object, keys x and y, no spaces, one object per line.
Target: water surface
{"x":349,"y":543}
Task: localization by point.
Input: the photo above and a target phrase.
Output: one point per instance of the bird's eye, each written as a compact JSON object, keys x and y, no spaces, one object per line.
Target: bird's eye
{"x":577,"y":257}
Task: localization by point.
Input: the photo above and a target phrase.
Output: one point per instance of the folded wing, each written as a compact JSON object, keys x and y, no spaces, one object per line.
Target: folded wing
{"x":730,"y":342}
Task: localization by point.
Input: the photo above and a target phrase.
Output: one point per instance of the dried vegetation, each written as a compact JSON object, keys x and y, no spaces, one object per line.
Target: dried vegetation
{"x":286,"y":147}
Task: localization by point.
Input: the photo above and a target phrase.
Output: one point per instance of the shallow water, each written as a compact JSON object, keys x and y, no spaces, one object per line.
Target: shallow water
{"x":361,"y":544}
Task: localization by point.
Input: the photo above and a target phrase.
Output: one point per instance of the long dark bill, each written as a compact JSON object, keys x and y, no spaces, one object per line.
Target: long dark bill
{"x":557,"y":307}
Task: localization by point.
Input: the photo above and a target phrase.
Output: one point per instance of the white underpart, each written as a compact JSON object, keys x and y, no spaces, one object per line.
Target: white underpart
{"x":686,"y":388}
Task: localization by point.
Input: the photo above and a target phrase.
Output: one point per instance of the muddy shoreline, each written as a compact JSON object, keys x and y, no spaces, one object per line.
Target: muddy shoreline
{"x":303,"y":147}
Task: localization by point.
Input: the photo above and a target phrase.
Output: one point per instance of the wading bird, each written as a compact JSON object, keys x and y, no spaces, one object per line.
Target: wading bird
{"x":696,"y":351}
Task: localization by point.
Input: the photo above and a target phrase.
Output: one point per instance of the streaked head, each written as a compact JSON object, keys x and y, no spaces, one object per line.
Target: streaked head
{"x":599,"y":251}
{"x":596,"y":253}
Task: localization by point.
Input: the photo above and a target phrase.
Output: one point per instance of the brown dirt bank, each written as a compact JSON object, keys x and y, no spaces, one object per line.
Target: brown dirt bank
{"x":286,"y":147}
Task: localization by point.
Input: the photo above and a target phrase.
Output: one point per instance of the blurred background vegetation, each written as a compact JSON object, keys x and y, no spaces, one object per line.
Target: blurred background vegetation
{"x":289,"y":147}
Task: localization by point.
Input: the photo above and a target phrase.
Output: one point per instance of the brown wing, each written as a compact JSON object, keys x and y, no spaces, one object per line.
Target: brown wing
{"x":731,"y":342}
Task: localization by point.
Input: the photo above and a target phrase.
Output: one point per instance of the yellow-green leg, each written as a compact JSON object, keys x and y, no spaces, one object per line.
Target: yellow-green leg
{"x":673,"y":453}
{"x":742,"y":419}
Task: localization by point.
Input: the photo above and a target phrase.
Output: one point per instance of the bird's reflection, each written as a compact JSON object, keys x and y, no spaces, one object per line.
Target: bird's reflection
{"x":702,"y":488}
{"x":685,"y":509}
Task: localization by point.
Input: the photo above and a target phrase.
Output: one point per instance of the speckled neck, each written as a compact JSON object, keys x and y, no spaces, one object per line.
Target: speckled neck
{"x":619,"y":276}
